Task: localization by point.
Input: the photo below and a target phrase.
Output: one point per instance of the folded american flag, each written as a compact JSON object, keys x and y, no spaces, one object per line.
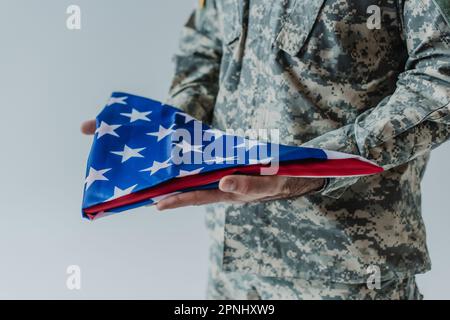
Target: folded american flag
{"x":144,"y":151}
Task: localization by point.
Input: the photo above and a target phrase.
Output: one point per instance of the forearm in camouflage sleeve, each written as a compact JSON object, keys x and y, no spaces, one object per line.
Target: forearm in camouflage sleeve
{"x":416,"y":118}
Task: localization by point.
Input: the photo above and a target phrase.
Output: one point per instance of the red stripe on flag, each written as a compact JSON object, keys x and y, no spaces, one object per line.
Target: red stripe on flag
{"x":327,"y":168}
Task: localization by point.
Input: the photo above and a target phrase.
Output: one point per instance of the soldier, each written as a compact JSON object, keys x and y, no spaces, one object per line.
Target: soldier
{"x":328,"y":74}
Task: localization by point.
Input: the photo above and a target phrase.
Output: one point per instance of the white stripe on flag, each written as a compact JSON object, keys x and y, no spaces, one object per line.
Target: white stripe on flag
{"x":340,"y":155}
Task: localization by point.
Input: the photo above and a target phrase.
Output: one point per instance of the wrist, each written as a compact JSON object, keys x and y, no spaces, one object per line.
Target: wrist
{"x":296,"y":187}
{"x":318,"y":186}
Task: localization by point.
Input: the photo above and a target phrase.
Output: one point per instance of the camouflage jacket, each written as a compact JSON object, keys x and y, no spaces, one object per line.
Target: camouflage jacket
{"x":327,"y":74}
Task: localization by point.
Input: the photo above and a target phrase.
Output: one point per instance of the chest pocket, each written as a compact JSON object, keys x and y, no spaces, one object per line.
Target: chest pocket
{"x":232,"y":20}
{"x":298,"y":25}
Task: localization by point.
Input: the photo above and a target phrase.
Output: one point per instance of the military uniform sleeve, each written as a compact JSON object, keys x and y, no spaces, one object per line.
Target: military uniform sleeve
{"x":416,"y":117}
{"x":195,"y":84}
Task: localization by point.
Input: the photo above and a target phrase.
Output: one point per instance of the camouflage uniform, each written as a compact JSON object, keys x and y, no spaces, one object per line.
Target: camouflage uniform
{"x":314,"y":70}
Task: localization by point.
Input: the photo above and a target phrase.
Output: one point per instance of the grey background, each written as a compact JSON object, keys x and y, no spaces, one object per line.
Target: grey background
{"x":50,"y":80}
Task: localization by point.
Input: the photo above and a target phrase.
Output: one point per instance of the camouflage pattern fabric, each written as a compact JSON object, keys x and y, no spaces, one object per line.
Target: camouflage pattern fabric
{"x":251,"y":287}
{"x":248,"y":286}
{"x":315,"y":70}
{"x":444,"y":5}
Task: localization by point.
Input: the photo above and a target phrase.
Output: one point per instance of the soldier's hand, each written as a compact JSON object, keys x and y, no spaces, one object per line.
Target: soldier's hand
{"x":88,"y":127}
{"x":245,"y":189}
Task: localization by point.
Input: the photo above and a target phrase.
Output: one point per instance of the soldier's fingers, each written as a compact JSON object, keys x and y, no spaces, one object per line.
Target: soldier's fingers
{"x":195,"y":198}
{"x":251,"y":185}
{"x":88,"y":127}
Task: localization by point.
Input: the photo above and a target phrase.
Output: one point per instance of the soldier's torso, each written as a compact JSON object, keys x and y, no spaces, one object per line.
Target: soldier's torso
{"x":307,"y":67}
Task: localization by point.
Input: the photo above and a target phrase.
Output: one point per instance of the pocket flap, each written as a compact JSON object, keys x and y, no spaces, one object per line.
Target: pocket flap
{"x":298,"y":25}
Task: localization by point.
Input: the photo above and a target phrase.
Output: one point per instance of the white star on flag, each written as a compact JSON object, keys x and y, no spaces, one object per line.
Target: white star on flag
{"x":187,"y":118}
{"x":117,"y":100}
{"x":162,"y":133}
{"x":136,"y":115}
{"x":157,"y":166}
{"x":248,"y":144}
{"x":185,"y":173}
{"x":129,"y":153}
{"x":187,"y":147}
{"x":105,"y":129}
{"x":118,"y":193}
{"x":95,"y":175}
